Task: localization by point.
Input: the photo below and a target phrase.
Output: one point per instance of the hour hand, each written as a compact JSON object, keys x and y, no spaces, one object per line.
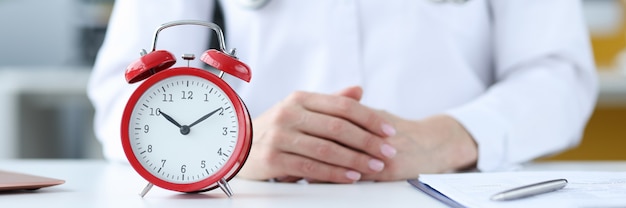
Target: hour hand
{"x":170,"y":119}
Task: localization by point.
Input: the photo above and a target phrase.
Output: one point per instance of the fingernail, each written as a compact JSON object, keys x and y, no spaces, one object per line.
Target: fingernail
{"x":388,"y":150}
{"x":389,"y":130}
{"x":353,"y":175}
{"x":376,"y":165}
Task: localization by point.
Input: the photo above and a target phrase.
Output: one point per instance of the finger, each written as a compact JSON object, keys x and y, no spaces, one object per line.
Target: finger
{"x":348,"y":109}
{"x":298,"y":166}
{"x":332,"y":153}
{"x":354,"y":92}
{"x":346,"y":133}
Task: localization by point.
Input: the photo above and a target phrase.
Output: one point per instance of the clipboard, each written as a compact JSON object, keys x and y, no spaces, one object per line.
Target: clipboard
{"x":425,"y":188}
{"x":14,"y":181}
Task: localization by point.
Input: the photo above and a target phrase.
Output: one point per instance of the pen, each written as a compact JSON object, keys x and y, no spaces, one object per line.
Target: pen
{"x":529,"y":190}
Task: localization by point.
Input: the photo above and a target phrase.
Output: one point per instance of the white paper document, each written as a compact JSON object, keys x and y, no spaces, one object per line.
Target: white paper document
{"x":584,"y":188}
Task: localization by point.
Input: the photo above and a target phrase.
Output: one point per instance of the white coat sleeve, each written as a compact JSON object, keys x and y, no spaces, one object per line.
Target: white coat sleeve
{"x":545,"y":88}
{"x":131,"y":29}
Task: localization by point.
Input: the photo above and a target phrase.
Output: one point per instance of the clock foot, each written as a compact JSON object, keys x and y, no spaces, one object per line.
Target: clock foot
{"x":225,"y":187}
{"x":146,"y":189}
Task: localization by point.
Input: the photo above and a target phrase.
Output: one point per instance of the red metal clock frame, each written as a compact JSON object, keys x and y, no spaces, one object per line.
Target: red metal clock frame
{"x":232,"y":165}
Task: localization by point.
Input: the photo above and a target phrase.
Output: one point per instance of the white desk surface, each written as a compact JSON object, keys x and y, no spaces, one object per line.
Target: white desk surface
{"x":96,"y":183}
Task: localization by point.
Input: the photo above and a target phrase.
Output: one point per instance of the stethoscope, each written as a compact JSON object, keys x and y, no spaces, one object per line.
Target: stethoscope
{"x":257,"y":4}
{"x":252,"y":4}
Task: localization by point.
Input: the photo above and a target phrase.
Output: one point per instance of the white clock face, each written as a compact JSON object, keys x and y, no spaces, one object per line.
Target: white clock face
{"x":183,"y":129}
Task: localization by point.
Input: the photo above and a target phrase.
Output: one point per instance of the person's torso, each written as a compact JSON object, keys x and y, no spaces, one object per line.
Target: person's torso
{"x":412,"y":57}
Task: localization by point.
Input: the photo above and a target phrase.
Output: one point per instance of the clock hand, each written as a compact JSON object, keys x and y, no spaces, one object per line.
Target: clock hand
{"x":184,"y":129}
{"x":204,"y":117}
{"x":169,"y":118}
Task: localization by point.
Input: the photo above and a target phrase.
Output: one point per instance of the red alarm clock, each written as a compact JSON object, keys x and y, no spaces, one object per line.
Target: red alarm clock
{"x":184,"y":128}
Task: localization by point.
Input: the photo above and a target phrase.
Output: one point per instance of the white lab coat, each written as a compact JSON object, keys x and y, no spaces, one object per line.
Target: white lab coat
{"x":518,"y":74}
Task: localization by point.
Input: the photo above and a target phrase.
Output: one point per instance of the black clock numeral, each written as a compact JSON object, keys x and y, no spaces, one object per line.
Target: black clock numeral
{"x":183,"y":168}
{"x":220,"y":153}
{"x":225,"y":131}
{"x":187,"y":95}
{"x":155,"y":112}
{"x":202,"y":164}
{"x":146,"y":128}
{"x":150,"y":149}
{"x":167,"y":98}
{"x":163,"y":163}
{"x":206,"y":97}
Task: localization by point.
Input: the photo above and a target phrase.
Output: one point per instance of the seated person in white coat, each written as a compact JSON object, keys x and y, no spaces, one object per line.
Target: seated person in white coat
{"x":344,"y":91}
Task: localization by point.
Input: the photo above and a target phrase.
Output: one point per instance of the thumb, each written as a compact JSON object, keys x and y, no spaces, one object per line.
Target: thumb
{"x":354,"y":92}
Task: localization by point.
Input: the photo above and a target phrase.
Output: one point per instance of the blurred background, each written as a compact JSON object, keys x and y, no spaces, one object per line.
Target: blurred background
{"x":47,"y":49}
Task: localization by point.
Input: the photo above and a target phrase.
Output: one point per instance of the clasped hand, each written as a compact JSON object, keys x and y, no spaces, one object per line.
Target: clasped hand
{"x":334,"y":138}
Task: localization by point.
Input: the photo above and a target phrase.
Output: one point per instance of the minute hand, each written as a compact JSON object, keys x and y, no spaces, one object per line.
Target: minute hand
{"x":204,"y":117}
